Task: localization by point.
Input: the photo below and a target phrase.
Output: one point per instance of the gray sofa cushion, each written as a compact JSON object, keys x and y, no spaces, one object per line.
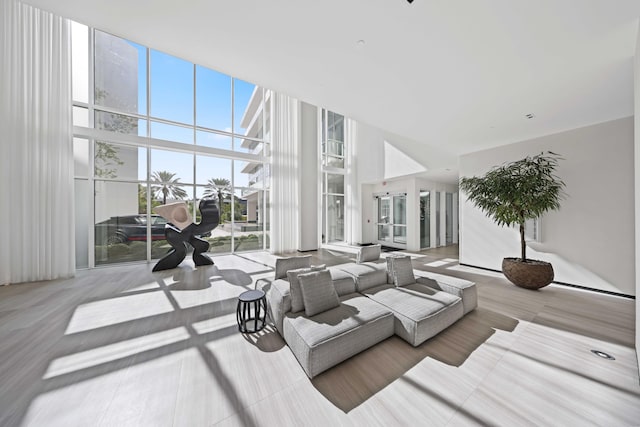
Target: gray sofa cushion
{"x":318,"y":292}
{"x":420,"y":311}
{"x":278,"y":302}
{"x":344,"y":282}
{"x":324,"y":340}
{"x":402,"y":271}
{"x":297,"y":303}
{"x":366,"y":275}
{"x":368,"y":253}
{"x":285,"y":264}
{"x":389,"y":260}
{"x":460,"y":287}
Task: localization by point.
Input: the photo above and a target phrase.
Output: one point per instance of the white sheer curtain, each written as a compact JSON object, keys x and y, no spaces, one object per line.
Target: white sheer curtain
{"x":352,"y":212}
{"x":285,"y":174}
{"x":36,"y":158}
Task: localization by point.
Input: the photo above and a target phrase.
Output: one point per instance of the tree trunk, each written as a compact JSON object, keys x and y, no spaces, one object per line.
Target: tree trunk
{"x":523,"y":245}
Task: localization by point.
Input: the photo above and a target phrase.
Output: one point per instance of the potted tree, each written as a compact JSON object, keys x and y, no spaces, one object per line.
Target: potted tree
{"x":513,"y":193}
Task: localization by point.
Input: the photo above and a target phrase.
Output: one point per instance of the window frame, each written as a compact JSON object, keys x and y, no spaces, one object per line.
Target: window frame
{"x":89,"y":132}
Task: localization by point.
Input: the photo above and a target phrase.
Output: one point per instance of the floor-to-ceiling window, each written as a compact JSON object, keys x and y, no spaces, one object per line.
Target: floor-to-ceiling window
{"x":151,"y":129}
{"x":333,"y":170}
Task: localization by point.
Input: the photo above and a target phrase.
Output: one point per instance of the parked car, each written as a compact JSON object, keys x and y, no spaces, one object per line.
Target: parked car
{"x":128,"y":228}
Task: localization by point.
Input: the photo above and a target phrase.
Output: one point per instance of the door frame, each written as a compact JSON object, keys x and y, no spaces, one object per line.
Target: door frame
{"x":390,"y":224}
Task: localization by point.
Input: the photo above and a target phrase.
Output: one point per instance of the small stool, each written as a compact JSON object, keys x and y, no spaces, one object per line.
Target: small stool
{"x":244,"y":314}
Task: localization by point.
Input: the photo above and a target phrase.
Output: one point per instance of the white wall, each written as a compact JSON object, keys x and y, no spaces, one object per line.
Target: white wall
{"x":309,"y":162}
{"x":590,"y":241}
{"x":383,"y":157}
{"x":637,"y":187}
{"x":368,"y":214}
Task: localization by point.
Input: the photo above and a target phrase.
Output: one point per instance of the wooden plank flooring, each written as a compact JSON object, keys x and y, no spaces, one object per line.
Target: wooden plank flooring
{"x":123,"y":346}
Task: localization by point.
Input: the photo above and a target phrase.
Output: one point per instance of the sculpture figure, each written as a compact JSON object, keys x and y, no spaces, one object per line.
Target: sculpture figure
{"x":181,"y":230}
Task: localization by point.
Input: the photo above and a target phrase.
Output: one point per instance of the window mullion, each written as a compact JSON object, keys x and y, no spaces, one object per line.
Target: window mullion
{"x":91,"y":142}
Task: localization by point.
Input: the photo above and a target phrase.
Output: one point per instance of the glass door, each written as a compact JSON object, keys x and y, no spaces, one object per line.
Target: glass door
{"x":392,"y":220}
{"x":384,"y":219}
{"x":400,"y":220}
{"x":425,"y":220}
{"x":449,"y":218}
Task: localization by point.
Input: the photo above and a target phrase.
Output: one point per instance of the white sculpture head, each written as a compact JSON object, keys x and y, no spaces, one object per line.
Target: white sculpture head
{"x":176,"y":213}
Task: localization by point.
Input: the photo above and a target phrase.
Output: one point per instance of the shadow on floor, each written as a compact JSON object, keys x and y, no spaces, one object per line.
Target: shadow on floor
{"x":357,"y":379}
{"x":267,"y":340}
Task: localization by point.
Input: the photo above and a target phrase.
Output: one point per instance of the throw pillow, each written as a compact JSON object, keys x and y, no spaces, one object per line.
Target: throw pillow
{"x":402,"y":271}
{"x":285,"y":264}
{"x":368,"y":253}
{"x":389,"y":259}
{"x":297,"y":303}
{"x":318,"y":292}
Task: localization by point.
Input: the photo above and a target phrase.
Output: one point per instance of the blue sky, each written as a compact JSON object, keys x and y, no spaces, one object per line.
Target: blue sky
{"x":172,"y":93}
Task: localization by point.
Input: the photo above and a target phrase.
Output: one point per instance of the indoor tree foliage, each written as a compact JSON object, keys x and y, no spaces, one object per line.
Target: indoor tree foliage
{"x":517,"y":191}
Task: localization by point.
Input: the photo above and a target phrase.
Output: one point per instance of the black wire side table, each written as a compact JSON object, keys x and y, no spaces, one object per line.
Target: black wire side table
{"x":251,"y":319}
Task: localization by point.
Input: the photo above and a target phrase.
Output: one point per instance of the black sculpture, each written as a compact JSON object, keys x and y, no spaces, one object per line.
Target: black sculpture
{"x":178,"y":239}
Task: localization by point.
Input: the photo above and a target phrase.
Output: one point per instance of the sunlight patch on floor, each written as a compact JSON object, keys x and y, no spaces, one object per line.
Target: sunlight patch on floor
{"x":399,"y":253}
{"x":466,"y":269}
{"x":145,"y":287}
{"x":441,"y":262}
{"x":108,"y":353}
{"x":215,"y":323}
{"x":99,"y":314}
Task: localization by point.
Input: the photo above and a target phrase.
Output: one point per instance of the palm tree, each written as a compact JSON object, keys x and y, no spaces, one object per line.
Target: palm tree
{"x":167,"y":185}
{"x":219,"y":187}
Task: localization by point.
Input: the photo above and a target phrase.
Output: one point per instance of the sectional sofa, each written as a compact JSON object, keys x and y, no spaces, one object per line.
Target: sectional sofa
{"x":327,"y":315}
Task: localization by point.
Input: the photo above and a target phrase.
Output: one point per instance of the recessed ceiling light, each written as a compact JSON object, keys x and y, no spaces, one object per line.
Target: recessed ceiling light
{"x":529,"y":116}
{"x":360,"y":42}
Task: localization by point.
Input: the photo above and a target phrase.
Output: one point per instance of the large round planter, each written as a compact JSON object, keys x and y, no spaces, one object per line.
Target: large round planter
{"x":532,"y":274}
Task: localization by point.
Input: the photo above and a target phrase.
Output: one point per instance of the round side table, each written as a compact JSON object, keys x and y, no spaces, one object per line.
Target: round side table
{"x":251,"y":312}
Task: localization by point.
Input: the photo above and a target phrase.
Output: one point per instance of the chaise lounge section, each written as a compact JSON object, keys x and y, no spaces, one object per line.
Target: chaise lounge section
{"x":328,"y":315}
{"x":326,"y":339}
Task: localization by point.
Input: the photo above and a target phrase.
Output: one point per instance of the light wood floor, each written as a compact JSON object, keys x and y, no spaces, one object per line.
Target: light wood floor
{"x":122,"y":346}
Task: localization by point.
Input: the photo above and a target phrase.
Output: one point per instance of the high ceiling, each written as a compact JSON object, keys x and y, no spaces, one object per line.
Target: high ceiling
{"x":456,"y":74}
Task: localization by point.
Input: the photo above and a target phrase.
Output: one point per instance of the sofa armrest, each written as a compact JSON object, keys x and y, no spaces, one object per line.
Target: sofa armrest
{"x":462,"y":288}
{"x":279,"y":302}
